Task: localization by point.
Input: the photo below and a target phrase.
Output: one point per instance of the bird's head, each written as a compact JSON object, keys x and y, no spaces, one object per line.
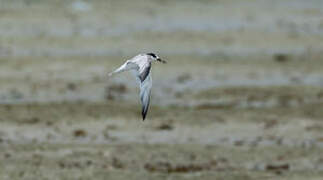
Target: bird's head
{"x":154,"y":57}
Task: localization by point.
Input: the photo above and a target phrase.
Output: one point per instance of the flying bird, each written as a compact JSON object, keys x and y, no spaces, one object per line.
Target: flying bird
{"x":140,"y":65}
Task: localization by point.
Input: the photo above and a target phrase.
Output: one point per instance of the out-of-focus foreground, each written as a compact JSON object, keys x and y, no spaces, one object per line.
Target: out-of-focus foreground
{"x":240,"y":98}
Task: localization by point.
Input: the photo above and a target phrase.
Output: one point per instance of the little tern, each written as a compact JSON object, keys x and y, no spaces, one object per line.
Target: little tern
{"x":140,"y":65}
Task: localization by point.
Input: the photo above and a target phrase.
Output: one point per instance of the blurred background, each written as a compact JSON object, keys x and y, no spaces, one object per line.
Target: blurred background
{"x":241,"y":96}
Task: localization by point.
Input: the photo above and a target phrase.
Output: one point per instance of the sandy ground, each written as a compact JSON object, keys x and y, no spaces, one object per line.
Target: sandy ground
{"x":241,"y":96}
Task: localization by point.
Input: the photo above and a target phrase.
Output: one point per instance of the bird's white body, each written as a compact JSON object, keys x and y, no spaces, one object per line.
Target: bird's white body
{"x":140,"y":65}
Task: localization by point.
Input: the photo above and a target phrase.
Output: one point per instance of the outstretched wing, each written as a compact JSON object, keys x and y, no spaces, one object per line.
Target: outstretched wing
{"x":145,"y":88}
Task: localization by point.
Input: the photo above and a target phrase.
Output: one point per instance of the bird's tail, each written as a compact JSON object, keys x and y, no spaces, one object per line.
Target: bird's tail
{"x":119,"y":70}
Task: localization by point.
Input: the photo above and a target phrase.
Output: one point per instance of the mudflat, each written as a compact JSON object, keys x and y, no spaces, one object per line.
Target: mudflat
{"x":239,"y":98}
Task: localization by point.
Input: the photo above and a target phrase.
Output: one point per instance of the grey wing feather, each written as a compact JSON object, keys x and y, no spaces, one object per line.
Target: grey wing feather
{"x":143,"y":75}
{"x":145,"y":99}
{"x":145,"y":89}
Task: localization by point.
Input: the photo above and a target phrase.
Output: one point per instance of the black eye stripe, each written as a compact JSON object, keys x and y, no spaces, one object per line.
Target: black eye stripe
{"x":152,"y":54}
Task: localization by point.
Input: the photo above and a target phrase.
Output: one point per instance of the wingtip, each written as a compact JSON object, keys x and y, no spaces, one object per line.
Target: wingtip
{"x":143,"y":115}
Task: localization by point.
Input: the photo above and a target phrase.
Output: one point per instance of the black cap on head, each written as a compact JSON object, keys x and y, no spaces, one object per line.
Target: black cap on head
{"x":152,"y":54}
{"x":156,"y":57}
